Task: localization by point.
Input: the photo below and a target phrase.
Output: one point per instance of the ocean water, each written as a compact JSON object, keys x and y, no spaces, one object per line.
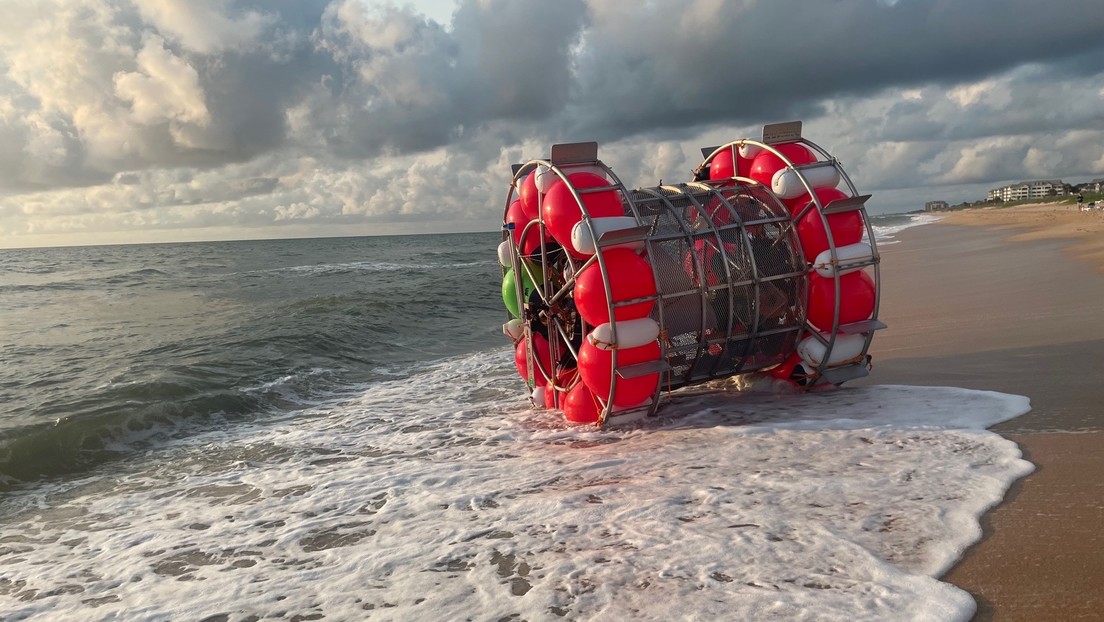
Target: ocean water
{"x":334,"y":429}
{"x":886,"y":226}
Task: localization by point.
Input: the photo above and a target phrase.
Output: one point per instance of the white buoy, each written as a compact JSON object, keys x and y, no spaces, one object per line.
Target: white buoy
{"x":845,"y":347}
{"x":786,"y":183}
{"x":748,"y":152}
{"x":514,"y":329}
{"x":506,"y":254}
{"x":544,"y":177}
{"x":630,"y":334}
{"x":538,"y":398}
{"x":826,"y":268}
{"x":585,"y":243}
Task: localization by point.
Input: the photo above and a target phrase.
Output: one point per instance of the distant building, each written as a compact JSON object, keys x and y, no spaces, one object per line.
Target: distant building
{"x":1028,"y":190}
{"x":935,"y":206}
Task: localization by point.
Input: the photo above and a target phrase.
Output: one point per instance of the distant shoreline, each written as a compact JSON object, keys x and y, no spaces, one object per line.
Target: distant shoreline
{"x":1042,"y":221}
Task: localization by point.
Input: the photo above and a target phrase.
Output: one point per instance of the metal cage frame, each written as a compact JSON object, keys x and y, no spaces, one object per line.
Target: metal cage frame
{"x":735,"y":241}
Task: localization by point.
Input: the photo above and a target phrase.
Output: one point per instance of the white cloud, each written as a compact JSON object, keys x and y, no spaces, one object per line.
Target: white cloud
{"x":1043,"y":162}
{"x":297,"y":211}
{"x":993,"y":92}
{"x":355,"y":116}
{"x":46,"y":144}
{"x":204,"y":26}
{"x":166,"y":88}
{"x":982,"y":160}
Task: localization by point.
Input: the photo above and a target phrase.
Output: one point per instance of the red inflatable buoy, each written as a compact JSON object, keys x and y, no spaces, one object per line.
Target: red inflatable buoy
{"x":824,"y":194}
{"x":766,"y":164}
{"x":847,"y":228}
{"x":792,"y":370}
{"x":581,"y":406}
{"x":516,"y":216}
{"x":856,"y":299}
{"x":541,"y":353}
{"x":561,"y":212}
{"x":630,"y":277}
{"x":723,"y":167}
{"x":563,"y":381}
{"x":595,"y":366}
{"x":530,"y":196}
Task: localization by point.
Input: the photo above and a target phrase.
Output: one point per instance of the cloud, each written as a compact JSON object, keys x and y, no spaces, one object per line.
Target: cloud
{"x":205,"y":26}
{"x":666,"y":64}
{"x":165,"y":89}
{"x":142,"y":115}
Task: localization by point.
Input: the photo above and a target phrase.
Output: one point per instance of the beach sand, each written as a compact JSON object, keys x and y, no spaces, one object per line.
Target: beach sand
{"x":1012,"y":300}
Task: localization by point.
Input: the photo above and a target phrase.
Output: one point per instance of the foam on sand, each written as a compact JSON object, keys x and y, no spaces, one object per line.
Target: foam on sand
{"x":436,"y":497}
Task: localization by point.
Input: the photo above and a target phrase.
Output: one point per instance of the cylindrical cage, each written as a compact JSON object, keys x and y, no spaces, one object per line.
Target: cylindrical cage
{"x":730,"y":278}
{"x":618,"y":295}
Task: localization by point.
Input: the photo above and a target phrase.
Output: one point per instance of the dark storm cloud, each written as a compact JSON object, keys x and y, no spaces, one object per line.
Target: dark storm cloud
{"x":661,"y":64}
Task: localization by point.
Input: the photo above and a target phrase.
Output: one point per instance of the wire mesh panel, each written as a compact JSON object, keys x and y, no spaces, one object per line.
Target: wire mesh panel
{"x":730,"y":276}
{"x":617,"y":295}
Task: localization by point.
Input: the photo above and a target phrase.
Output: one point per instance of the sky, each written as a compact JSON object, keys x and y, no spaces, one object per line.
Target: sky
{"x":125,"y":121}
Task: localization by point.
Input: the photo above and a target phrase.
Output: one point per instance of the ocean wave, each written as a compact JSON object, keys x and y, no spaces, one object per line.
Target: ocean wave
{"x":299,"y":390}
{"x":100,"y":431}
{"x":121,"y":418}
{"x":19,"y":288}
{"x":377,"y":266}
{"x":885,"y":227}
{"x":76,"y":281}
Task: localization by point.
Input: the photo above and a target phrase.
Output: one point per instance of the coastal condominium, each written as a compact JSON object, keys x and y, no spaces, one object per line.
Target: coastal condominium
{"x":1028,"y":190}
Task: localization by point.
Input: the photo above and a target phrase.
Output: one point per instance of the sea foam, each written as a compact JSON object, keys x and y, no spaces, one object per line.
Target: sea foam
{"x":442,"y":496}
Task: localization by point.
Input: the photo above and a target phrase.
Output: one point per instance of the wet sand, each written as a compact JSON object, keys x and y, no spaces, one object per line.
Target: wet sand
{"x":1014,"y":302}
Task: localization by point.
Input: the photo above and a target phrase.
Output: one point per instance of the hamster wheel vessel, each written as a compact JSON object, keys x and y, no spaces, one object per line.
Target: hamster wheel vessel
{"x":764,"y":262}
